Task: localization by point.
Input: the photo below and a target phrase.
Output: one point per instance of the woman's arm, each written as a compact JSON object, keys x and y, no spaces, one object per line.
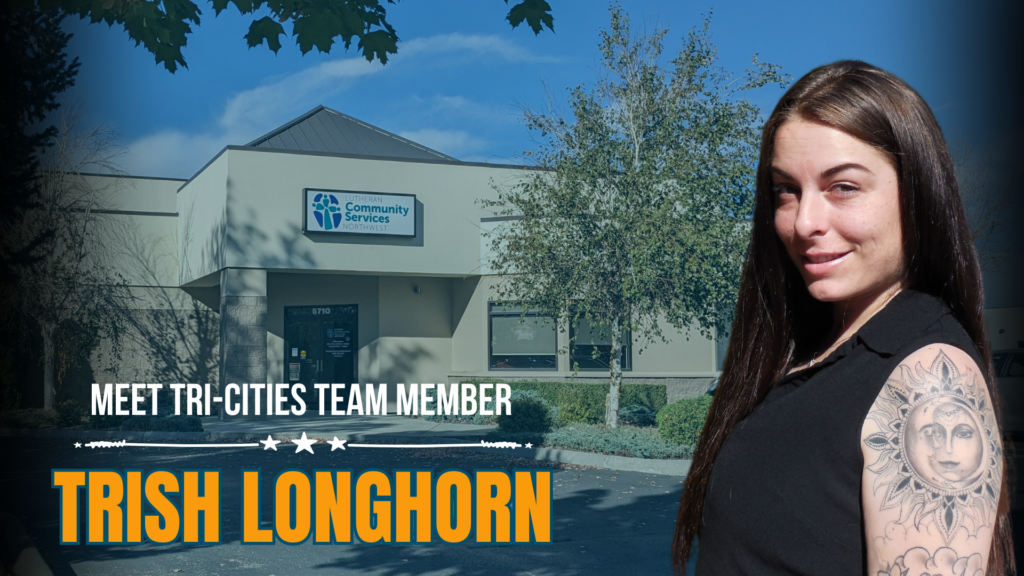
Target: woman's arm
{"x":932,"y":467}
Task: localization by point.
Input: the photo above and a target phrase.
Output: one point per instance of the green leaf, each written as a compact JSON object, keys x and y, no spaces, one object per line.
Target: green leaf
{"x":316,"y":31}
{"x":265,"y":29}
{"x":244,"y":6}
{"x":536,"y":13}
{"x":379,"y":43}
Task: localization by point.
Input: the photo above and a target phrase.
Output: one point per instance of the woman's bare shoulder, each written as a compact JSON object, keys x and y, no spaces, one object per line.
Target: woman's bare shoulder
{"x":932,"y":462}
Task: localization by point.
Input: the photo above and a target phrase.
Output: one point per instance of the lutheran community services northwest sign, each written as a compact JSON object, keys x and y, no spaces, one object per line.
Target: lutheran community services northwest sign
{"x":345,"y":212}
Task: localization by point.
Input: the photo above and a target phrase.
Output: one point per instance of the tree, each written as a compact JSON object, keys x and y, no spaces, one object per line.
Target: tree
{"x":69,"y":282}
{"x":174,"y":338}
{"x":639,"y":211}
{"x":163,"y":26}
{"x":37,"y":71}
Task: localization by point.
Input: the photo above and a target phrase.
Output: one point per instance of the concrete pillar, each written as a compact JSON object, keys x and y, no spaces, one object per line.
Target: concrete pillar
{"x":243,"y":327}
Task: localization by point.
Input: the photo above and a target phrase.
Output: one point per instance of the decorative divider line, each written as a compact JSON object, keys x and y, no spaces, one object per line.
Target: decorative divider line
{"x":301,"y":444}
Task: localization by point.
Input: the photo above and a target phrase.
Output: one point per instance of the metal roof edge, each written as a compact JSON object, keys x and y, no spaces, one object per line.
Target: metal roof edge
{"x":285,"y":126}
{"x":391,"y":135}
{"x":382,"y":158}
{"x":207,"y":165}
{"x":131,"y":176}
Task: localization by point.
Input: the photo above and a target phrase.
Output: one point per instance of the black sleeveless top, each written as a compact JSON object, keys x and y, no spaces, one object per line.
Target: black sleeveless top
{"x":784,"y":496}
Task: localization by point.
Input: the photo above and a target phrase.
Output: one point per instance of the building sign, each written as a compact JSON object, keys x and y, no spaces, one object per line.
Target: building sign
{"x":342,"y":212}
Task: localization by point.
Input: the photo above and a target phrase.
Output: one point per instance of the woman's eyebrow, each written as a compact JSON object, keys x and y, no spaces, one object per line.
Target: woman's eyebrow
{"x":842,"y":167}
{"x":825,"y":174}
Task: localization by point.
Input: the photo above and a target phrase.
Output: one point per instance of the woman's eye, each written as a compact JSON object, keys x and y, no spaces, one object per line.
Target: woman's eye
{"x":783,"y":189}
{"x":845,"y":189}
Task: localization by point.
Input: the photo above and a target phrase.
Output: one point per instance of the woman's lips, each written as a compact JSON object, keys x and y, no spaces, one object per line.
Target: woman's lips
{"x":818,"y":264}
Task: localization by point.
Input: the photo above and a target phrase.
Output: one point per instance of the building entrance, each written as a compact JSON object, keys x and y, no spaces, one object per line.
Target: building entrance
{"x":320,"y":346}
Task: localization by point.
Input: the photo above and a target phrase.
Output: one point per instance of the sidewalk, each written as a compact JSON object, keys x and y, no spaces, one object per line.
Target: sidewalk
{"x":371,"y":429}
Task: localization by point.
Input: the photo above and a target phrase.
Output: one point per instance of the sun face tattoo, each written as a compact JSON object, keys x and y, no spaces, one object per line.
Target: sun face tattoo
{"x":940,"y":459}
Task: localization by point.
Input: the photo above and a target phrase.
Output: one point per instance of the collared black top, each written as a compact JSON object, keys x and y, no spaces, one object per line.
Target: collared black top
{"x":784,"y":495}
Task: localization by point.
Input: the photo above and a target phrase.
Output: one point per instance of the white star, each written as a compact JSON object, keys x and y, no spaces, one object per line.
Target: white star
{"x":529,"y":445}
{"x":335,"y":444}
{"x":270,"y":443}
{"x":78,"y":444}
{"x":304,"y":444}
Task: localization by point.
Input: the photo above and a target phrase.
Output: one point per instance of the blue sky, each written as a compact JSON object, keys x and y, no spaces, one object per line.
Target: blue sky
{"x":462,"y":72}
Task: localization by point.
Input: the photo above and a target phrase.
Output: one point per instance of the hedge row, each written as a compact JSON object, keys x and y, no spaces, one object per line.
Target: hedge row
{"x":578,"y":402}
{"x":622,"y":441}
{"x":147,"y":423}
{"x":682,"y":421}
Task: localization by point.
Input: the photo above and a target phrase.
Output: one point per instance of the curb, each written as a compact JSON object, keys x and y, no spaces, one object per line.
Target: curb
{"x":611,"y":462}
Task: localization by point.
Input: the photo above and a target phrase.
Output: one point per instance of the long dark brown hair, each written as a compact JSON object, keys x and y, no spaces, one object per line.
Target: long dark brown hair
{"x":777,"y":322}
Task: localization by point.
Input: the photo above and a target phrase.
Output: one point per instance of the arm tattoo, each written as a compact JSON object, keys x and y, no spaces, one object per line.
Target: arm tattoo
{"x":918,"y":562}
{"x":939,"y":455}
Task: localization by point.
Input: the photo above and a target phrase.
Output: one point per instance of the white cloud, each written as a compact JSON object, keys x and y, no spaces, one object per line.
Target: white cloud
{"x":251,"y":113}
{"x":451,"y":142}
{"x":247,"y":115}
{"x":473,"y":45}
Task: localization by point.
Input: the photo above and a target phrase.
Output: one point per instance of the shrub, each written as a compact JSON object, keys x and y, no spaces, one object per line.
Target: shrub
{"x":621,"y":441}
{"x":581,"y":403}
{"x":70,"y":413}
{"x":637,"y":415}
{"x":527,"y":415}
{"x":98,"y":422}
{"x":568,"y":402}
{"x":681,"y":422}
{"x":147,"y":423}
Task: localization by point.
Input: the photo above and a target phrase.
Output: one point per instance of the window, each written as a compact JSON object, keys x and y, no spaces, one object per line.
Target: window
{"x":592,"y":348}
{"x":529,"y":344}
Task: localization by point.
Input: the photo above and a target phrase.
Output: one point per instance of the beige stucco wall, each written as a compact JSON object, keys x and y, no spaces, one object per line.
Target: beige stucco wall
{"x":686,"y":354}
{"x":245,"y":210}
{"x":292,"y":289}
{"x":255,"y":198}
{"x":202,"y":223}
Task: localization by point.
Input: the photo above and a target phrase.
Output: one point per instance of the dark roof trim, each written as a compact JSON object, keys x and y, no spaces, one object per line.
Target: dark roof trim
{"x":501,"y":218}
{"x":135,"y":213}
{"x":205,"y":166}
{"x":361,"y":157}
{"x":131,"y":177}
{"x":382,"y":158}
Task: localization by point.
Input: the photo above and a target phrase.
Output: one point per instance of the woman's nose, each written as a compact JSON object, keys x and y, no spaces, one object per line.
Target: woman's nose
{"x":812,"y":215}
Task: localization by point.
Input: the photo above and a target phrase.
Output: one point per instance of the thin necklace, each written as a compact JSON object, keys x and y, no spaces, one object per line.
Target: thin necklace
{"x":832,"y":348}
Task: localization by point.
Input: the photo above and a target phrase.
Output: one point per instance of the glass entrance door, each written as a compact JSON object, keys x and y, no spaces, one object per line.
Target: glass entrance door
{"x":320,"y":346}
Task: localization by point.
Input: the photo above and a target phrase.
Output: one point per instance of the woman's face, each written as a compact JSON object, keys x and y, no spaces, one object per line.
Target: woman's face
{"x":944,"y":442}
{"x":837,"y":211}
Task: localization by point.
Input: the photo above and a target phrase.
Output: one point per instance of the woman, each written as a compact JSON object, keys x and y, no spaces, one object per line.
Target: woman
{"x":852,"y":430}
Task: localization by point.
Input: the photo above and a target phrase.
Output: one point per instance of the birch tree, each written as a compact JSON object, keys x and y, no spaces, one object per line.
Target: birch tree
{"x":637,"y":215}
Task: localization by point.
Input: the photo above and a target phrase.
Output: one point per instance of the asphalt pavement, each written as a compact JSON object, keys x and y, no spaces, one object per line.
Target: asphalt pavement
{"x":605,"y":521}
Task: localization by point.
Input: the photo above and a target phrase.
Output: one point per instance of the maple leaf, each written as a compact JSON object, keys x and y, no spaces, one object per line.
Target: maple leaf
{"x":536,"y":14}
{"x":265,"y":29}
